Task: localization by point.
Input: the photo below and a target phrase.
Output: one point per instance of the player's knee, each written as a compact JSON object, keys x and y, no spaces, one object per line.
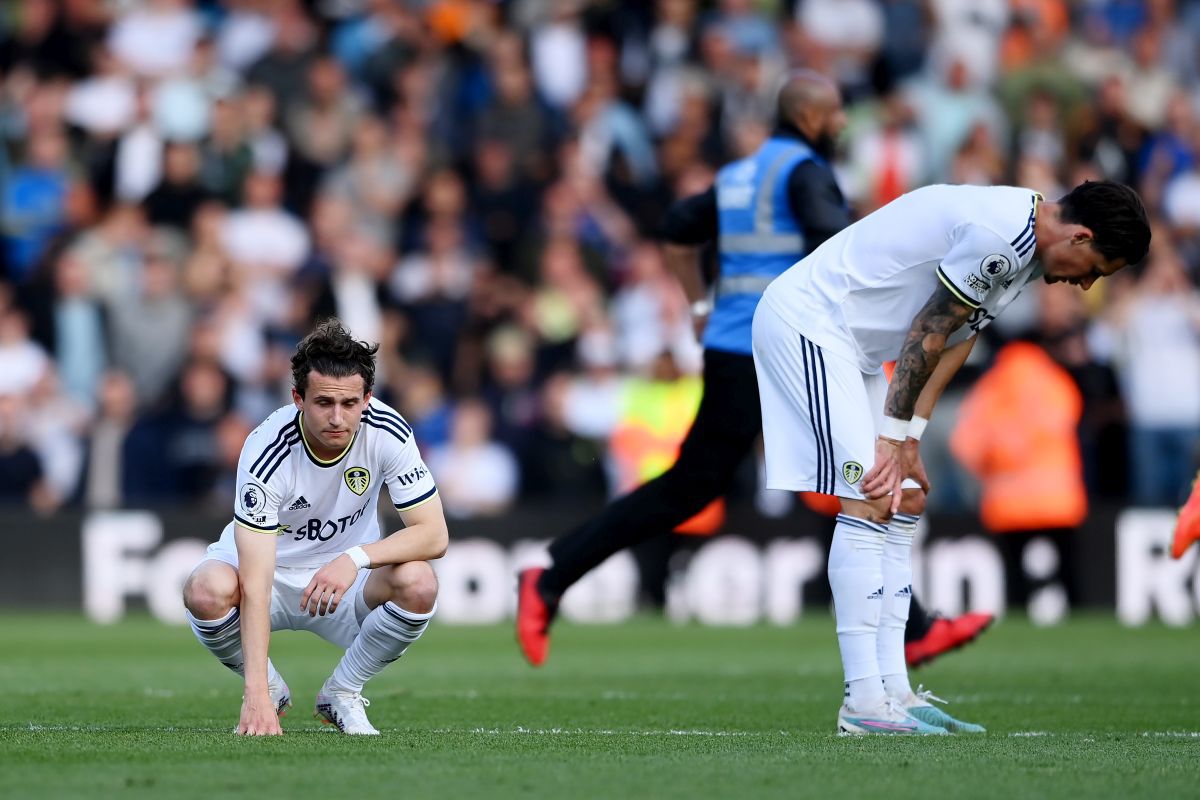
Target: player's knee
{"x":211,"y":590}
{"x":414,"y":586}
{"x":878,"y":510}
{"x":912,"y":501}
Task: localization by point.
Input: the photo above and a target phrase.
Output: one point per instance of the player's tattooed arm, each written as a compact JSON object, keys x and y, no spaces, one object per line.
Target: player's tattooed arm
{"x":942,"y":315}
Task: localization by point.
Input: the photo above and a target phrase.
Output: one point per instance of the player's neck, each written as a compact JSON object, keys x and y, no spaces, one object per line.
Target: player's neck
{"x":1047,"y":226}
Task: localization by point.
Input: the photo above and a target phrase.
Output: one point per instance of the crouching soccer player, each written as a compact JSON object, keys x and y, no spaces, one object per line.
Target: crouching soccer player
{"x":304,"y":550}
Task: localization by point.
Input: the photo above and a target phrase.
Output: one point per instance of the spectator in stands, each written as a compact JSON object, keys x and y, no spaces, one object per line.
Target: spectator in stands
{"x":33,"y":202}
{"x":150,"y":329}
{"x":22,"y":479}
{"x":124,"y":464}
{"x":476,"y":476}
{"x":1157,"y":353}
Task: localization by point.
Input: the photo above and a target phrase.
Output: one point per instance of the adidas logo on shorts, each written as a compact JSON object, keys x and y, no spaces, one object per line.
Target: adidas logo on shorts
{"x":300,"y":503}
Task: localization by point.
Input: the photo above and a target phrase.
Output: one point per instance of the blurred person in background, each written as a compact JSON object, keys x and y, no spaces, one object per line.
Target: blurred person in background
{"x":22,"y":479}
{"x":33,"y":202}
{"x":150,"y":329}
{"x":70,"y":322}
{"x":766,"y":212}
{"x":23,"y":362}
{"x":189,"y":427}
{"x":1017,"y":433}
{"x":1155,"y":346}
{"x":123,"y":459}
{"x":266,"y":245}
{"x":175,"y":200}
{"x":56,"y":424}
{"x":480,"y":476}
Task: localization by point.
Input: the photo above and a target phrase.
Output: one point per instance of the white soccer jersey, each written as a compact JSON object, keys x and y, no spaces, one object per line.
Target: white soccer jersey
{"x":857,"y":294}
{"x":320,"y":508}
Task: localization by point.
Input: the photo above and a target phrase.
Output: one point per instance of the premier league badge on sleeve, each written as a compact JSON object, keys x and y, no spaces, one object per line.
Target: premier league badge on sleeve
{"x":994,"y":267}
{"x":251,"y":497}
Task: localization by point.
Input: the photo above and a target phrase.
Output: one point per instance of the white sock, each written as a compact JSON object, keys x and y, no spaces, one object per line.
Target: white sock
{"x":386,"y":633}
{"x":856,"y":578}
{"x":897,"y":596}
{"x":223,"y":638}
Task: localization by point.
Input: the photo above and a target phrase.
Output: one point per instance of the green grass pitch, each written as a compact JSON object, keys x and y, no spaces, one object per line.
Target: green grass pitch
{"x":646,"y":709}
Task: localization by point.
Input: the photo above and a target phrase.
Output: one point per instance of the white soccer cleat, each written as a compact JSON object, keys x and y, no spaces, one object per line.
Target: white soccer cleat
{"x":281,"y":695}
{"x":347,"y":711}
{"x":888,"y":718}
{"x":918,"y":705}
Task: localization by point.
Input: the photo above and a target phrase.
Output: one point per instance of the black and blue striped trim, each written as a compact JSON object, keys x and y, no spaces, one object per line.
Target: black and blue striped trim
{"x":386,"y":421}
{"x":1027,"y":238}
{"x":291,"y":441}
{"x":272,"y":450}
{"x":818,"y":413}
{"x":386,"y":427}
{"x":392,"y":415}
{"x":417,"y":502}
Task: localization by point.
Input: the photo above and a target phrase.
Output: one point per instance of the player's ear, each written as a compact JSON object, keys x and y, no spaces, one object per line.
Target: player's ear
{"x":366,"y":398}
{"x":296,"y":398}
{"x":1082,"y":235}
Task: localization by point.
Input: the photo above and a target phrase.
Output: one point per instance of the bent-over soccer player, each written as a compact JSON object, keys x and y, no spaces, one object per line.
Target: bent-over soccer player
{"x":913,"y":282}
{"x":304,"y":550}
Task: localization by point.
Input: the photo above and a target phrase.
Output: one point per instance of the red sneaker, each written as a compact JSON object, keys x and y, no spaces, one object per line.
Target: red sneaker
{"x":945,"y":635}
{"x":534,"y":615}
{"x":1187,"y":527}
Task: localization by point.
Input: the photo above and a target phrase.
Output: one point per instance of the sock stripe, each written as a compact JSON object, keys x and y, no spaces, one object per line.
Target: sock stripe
{"x":858,"y":522}
{"x":220,"y":627}
{"x":414,"y":623}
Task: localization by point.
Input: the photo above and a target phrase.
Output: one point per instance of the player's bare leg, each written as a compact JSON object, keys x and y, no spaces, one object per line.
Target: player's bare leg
{"x":211,"y":597}
{"x":402,"y":598}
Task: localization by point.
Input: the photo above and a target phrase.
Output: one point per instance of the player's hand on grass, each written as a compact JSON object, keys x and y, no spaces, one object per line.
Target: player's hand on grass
{"x":259,"y":717}
{"x":888,"y":471}
{"x":328,"y":586}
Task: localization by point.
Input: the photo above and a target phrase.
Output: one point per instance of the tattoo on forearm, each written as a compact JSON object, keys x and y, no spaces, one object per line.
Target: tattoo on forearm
{"x":922,"y":349}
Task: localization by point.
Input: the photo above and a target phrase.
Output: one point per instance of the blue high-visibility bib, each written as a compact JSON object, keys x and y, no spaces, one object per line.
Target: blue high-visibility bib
{"x":759,"y":237}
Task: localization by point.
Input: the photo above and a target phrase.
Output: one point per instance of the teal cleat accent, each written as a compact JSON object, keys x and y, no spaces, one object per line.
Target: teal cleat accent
{"x":918,"y":706}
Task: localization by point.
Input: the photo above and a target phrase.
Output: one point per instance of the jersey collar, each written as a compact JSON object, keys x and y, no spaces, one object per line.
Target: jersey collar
{"x":320,"y":462}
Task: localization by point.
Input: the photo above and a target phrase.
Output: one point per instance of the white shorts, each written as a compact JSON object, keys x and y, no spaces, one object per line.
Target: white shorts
{"x":820,"y":411}
{"x":338,"y":628}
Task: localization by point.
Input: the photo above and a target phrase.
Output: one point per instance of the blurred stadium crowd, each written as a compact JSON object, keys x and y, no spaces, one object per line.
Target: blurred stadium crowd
{"x":186,"y":186}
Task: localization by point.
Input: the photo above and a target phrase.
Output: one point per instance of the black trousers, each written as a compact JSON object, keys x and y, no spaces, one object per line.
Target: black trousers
{"x":727,"y":424}
{"x":726,"y":427}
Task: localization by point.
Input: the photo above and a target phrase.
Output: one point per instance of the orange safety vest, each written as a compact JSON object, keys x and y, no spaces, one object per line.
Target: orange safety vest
{"x":655,"y":418}
{"x":1017,"y":432}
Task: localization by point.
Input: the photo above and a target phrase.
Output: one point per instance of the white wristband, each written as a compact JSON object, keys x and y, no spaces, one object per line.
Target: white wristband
{"x":359,"y":557}
{"x":894,"y":429}
{"x":916,"y":426}
{"x":702,"y":308}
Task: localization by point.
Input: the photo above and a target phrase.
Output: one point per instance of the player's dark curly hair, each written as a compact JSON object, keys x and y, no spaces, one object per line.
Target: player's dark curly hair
{"x":1116,"y":216}
{"x":332,"y":351}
